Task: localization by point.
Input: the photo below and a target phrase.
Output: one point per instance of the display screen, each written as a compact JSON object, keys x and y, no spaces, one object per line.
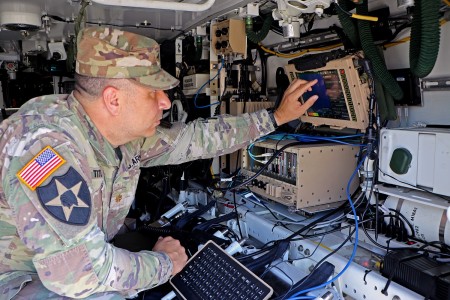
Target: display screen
{"x":331,"y":102}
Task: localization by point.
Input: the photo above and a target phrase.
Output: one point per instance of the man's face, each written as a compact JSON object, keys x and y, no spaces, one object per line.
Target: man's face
{"x":143,"y":110}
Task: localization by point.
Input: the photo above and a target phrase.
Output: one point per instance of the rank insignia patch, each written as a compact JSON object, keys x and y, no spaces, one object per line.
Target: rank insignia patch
{"x":67,"y":198}
{"x":40,"y":167}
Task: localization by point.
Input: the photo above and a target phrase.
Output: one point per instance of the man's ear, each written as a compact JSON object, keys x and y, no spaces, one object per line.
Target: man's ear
{"x":111,"y":100}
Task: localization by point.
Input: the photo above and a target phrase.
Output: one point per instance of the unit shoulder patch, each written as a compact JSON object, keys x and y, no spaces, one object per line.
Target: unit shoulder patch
{"x":40,"y":167}
{"x":67,"y":198}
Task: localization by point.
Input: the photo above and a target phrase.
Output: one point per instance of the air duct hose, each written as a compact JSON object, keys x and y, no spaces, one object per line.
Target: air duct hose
{"x":347,"y":23}
{"x":371,"y":52}
{"x":257,"y":37}
{"x":384,"y":100}
{"x":425,"y":35}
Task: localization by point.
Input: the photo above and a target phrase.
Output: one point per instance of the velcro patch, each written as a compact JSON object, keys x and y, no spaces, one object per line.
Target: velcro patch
{"x":67,"y":198}
{"x":40,"y":167}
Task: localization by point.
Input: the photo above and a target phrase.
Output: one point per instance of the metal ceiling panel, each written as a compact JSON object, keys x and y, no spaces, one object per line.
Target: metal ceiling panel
{"x":160,"y":24}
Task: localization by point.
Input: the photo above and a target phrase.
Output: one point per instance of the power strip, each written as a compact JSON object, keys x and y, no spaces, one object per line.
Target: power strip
{"x":381,"y":239}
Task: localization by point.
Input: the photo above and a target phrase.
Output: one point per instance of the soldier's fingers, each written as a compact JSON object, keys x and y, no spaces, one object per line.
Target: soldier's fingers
{"x":302,"y":89}
{"x":308,"y":103}
{"x":302,"y":81}
{"x":295,"y":84}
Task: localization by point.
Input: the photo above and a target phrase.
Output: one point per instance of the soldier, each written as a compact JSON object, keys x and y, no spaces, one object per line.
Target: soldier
{"x":70,"y":164}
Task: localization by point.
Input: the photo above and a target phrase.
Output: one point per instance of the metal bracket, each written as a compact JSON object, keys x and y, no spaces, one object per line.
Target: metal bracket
{"x":435,"y":84}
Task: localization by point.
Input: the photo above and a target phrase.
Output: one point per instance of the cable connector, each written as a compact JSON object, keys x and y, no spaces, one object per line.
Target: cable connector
{"x":235,"y":247}
{"x":402,"y":234}
{"x":390,"y":231}
{"x":367,"y":65}
{"x":175,"y":210}
{"x":183,"y":185}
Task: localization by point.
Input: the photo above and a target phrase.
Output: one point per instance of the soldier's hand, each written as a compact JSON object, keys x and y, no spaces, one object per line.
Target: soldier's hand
{"x":290,"y":107}
{"x":176,"y":252}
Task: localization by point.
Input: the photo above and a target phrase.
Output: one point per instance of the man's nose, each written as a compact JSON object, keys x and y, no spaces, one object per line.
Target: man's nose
{"x":164,"y":101}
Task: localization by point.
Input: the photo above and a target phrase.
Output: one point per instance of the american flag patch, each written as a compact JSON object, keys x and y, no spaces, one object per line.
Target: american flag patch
{"x":40,"y":167}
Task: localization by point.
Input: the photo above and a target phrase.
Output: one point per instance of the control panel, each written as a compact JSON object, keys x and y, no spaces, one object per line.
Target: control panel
{"x":294,"y":178}
{"x":229,"y":37}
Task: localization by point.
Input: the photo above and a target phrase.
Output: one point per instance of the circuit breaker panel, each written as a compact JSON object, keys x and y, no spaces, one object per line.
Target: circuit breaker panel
{"x":303,"y":176}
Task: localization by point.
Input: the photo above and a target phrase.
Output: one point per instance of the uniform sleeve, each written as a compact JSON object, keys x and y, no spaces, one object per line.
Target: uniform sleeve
{"x":58,"y":223}
{"x":204,"y":138}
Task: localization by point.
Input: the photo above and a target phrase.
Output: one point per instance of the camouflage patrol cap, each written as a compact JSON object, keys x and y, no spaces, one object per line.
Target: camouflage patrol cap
{"x":111,"y":53}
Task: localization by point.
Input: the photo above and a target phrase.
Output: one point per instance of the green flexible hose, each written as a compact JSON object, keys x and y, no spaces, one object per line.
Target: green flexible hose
{"x":384,"y":100}
{"x":371,"y":52}
{"x":381,"y":105}
{"x":425,"y":36}
{"x":347,"y":23}
{"x":257,"y":37}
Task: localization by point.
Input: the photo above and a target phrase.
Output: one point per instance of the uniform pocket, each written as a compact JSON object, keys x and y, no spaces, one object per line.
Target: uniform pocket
{"x":12,"y":285}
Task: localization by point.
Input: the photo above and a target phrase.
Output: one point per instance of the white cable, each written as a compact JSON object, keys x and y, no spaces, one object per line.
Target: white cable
{"x":263,"y":155}
{"x":406,"y":110}
{"x":368,"y":170}
{"x":261,"y":161}
{"x":181,"y":114}
{"x":169,"y":296}
{"x":399,"y":115}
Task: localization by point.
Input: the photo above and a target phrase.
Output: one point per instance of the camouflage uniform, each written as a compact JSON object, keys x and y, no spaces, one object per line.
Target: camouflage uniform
{"x":55,"y":234}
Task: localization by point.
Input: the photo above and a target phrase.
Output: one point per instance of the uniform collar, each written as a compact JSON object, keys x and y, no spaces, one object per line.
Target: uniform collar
{"x":104,"y":150}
